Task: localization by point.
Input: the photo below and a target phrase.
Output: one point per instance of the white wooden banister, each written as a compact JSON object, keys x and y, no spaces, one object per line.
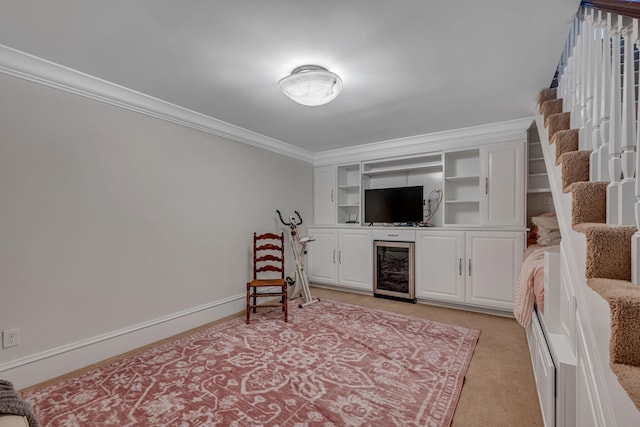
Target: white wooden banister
{"x":601,"y":97}
{"x":615,"y":112}
{"x":598,"y":88}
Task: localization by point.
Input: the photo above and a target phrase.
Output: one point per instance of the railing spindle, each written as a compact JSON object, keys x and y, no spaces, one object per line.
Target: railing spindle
{"x":615,"y":150}
{"x":626,"y":196}
{"x":597,"y":89}
{"x":587,"y":110}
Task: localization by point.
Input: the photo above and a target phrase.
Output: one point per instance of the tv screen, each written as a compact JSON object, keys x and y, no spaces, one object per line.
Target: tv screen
{"x":394,"y":205}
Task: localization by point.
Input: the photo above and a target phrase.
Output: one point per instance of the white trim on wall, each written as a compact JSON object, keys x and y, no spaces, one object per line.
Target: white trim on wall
{"x":513,"y":130}
{"x":39,"y":367}
{"x":25,"y":66}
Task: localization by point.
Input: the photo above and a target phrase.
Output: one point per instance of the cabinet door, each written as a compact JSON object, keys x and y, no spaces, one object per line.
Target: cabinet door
{"x":493,"y":263}
{"x":440,"y":265}
{"x":324,"y":195}
{"x":354,"y":259}
{"x":322,"y":256}
{"x":502,"y":181}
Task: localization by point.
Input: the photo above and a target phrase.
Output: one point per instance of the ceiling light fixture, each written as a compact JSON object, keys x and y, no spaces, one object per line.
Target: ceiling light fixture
{"x":311,"y":85}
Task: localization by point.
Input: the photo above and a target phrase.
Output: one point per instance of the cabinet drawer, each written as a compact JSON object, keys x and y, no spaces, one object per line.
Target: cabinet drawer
{"x":395,"y":235}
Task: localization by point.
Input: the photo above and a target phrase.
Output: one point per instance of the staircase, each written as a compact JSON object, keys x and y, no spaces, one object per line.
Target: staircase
{"x":589,"y":127}
{"x":607,"y":247}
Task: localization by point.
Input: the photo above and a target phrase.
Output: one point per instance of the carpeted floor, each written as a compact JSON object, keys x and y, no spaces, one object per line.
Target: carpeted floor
{"x":333,"y":364}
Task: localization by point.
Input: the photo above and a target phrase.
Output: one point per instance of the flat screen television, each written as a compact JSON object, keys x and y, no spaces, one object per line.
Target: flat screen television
{"x":394,"y":205}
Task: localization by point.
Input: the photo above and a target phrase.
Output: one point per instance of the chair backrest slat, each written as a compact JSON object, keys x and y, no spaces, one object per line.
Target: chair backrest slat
{"x":268,"y":253}
{"x":268,"y":268}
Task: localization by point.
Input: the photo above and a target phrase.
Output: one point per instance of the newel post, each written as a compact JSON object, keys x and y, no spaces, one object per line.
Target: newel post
{"x":626,"y":197}
{"x":615,"y":146}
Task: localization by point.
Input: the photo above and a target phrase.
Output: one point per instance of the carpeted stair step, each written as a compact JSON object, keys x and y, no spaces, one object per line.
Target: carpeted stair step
{"x":551,"y":106}
{"x":589,"y":202}
{"x":575,"y":167}
{"x":546,"y":95}
{"x":565,"y":141}
{"x":608,"y":251}
{"x":556,"y":122}
{"x":624,"y":347}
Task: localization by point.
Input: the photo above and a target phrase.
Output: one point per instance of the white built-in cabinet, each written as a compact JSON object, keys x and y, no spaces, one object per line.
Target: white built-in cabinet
{"x":336,"y":194}
{"x":324,"y":195}
{"x":485,"y":186}
{"x":340,"y":257}
{"x":440,"y":266}
{"x":472,"y":250}
{"x":493,"y":264}
{"x":476,"y":268}
{"x":503,"y":184}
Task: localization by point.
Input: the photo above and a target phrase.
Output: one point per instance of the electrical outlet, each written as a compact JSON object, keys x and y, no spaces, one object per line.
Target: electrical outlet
{"x":10,"y":338}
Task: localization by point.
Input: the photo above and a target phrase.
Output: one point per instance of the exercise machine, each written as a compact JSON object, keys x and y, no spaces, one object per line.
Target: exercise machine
{"x":299,"y":283}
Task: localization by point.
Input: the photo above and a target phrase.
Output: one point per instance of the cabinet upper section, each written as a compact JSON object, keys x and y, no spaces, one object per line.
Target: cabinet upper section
{"x":477,"y":186}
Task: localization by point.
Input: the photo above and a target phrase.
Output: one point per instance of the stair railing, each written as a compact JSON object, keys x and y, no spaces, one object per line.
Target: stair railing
{"x":597,"y":79}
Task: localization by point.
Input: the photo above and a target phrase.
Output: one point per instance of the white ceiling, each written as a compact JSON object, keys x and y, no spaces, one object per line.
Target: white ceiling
{"x":409,"y":67}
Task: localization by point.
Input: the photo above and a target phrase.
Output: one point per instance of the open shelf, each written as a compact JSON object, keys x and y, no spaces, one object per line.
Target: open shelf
{"x":462,"y":201}
{"x":474,"y":178}
{"x":348,"y":203}
{"x":431,"y":162}
{"x":462,"y":187}
{"x":539,"y":190}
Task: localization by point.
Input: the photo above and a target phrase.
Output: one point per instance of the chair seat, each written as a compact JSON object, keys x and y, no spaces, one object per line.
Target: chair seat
{"x":267,"y":282}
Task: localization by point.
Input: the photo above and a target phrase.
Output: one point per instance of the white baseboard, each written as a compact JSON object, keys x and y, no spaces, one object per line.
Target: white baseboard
{"x":39,"y":367}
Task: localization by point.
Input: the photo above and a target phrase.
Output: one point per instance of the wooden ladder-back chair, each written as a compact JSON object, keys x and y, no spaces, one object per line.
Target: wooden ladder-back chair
{"x":268,"y":256}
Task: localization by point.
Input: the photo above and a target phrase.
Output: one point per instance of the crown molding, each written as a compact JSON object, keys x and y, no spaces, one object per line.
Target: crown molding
{"x":511,"y":130}
{"x":28,"y":67}
{"x":34,"y":69}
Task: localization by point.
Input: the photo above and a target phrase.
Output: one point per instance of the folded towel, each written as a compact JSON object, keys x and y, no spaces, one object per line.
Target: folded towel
{"x":12,"y":404}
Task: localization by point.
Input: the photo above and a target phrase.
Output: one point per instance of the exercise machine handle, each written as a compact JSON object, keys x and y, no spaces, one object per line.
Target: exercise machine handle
{"x":291,"y":218}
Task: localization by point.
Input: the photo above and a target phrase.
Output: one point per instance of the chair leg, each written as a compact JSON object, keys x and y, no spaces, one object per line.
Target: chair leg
{"x":255,"y":300}
{"x":285,"y":303}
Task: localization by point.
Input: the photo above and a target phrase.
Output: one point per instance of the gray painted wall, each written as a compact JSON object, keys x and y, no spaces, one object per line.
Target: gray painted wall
{"x":110,"y":218}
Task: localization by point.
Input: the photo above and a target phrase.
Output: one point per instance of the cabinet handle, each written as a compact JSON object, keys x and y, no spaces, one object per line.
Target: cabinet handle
{"x":332,"y":194}
{"x":469,"y":267}
{"x":460,"y":267}
{"x":340,"y":257}
{"x":334,"y":256}
{"x":486,"y":186}
{"x":392,"y":235}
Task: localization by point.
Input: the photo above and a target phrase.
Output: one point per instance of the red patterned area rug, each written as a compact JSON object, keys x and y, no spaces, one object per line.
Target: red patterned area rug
{"x":333,"y":364}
